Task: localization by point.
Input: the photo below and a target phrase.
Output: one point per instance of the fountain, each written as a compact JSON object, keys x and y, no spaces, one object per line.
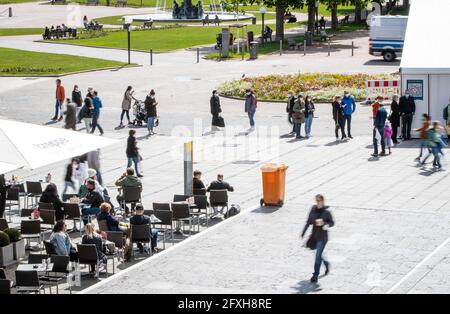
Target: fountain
{"x":187,"y":11}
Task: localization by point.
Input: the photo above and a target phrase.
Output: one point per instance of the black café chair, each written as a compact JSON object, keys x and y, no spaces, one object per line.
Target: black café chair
{"x":201,"y":205}
{"x":140,"y":234}
{"x":28,"y":282}
{"x":22,"y":193}
{"x":26,"y":212}
{"x":87,"y":255}
{"x":199,"y":192}
{"x":34,"y":191}
{"x":30,"y":229}
{"x":117,"y":237}
{"x":48,"y":217}
{"x":182,"y":214}
{"x":3,"y":224}
{"x":131,"y":195}
{"x":12,"y":200}
{"x":166,"y":224}
{"x":47,"y":206}
{"x":36,"y":258}
{"x":180,"y":198}
{"x":5,"y":286}
{"x":161,"y":206}
{"x":218,"y":198}
{"x":49,"y":248}
{"x":2,"y":273}
{"x":59,"y":272}
{"x":72,"y":212}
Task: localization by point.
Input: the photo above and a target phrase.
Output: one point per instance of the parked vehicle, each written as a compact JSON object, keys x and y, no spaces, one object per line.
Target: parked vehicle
{"x":387,"y":36}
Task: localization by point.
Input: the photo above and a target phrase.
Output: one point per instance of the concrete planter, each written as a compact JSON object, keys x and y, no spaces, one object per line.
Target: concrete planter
{"x":19,"y":249}
{"x":7,"y":255}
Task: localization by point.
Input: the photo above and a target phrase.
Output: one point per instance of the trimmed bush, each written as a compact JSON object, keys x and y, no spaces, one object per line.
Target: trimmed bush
{"x":13,"y":234}
{"x":4,"y":239}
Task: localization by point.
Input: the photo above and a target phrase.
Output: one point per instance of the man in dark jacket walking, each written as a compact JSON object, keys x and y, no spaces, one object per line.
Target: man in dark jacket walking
{"x":133,"y":152}
{"x":321,"y":219}
{"x":378,"y":127}
{"x":215,"y":111}
{"x":150,"y":109}
{"x":290,"y":109}
{"x":250,"y":107}
{"x":407,"y":111}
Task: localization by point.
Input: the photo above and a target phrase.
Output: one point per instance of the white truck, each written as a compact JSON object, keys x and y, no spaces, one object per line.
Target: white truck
{"x":387,"y":36}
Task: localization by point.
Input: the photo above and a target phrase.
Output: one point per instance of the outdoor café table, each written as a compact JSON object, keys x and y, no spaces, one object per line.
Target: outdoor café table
{"x":40,"y":268}
{"x":192,"y":213}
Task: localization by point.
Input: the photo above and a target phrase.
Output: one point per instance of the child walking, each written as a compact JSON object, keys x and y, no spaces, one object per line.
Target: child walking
{"x":388,"y":136}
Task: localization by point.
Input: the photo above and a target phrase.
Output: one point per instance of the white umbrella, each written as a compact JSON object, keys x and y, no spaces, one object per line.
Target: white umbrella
{"x":35,"y":146}
{"x":7,"y":167}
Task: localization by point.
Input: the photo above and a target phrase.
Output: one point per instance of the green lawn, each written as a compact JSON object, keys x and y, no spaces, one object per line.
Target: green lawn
{"x":160,"y":40}
{"x":24,"y":63}
{"x":15,"y":1}
{"x":20,"y":31}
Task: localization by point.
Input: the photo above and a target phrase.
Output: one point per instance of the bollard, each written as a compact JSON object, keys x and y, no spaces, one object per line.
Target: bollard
{"x":242,"y":52}
{"x":151,"y":56}
{"x":281,"y":47}
{"x":329,"y":47}
{"x":198,"y":55}
{"x":304,"y":47}
{"x":353,"y":48}
{"x":9,"y":12}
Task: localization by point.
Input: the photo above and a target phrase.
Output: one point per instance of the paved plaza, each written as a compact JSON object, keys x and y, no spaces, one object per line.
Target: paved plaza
{"x":392,"y":216}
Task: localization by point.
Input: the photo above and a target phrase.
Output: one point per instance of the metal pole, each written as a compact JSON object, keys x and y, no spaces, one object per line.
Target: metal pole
{"x":353,"y":48}
{"x":198,"y":55}
{"x":329,"y":47}
{"x":262,"y":29}
{"x":188,"y":167}
{"x":9,"y":12}
{"x":242,"y":50}
{"x":129,"y":45}
{"x":151,"y":56}
{"x":304,"y":47}
{"x":281,"y":47}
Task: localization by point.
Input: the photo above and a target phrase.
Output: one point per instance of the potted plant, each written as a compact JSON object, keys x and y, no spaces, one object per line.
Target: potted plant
{"x":6,"y":250}
{"x":15,"y":237}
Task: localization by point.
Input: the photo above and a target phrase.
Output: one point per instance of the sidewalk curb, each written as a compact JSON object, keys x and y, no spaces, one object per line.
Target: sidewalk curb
{"x":156,"y":256}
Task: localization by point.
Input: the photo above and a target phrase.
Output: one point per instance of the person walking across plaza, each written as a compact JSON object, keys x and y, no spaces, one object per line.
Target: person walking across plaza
{"x":77,"y":98}
{"x":407,"y":111}
{"x":394,"y":118}
{"x":70,"y":122}
{"x":378,"y":131}
{"x":338,"y":117}
{"x":435,"y":143}
{"x":250,"y":107}
{"x":309,"y":115}
{"x":349,"y":107}
{"x":126,"y":105}
{"x":60,"y":98}
{"x":299,"y":116}
{"x":86,"y":114}
{"x":133,"y":152}
{"x":214,"y":102}
{"x":150,"y":108}
{"x":69,"y":178}
{"x":320,"y":219}
{"x":423,"y":132}
{"x":97,"y":105}
{"x":446,"y":116}
{"x":290,"y":109}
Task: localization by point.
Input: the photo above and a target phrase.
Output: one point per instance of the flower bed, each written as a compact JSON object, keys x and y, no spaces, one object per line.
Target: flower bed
{"x":322,"y":87}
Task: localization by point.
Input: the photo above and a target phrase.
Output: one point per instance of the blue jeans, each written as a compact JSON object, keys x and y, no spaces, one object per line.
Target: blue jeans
{"x":154,"y":235}
{"x":58,"y":109}
{"x":308,"y":124}
{"x":68,"y":184}
{"x":251,"y":117}
{"x":135,"y":160}
{"x":95,"y":123}
{"x":150,"y":123}
{"x":348,"y":122}
{"x":320,"y":246}
{"x":437,"y":158}
{"x":87,"y":211}
{"x":298,"y":129}
{"x":423,"y":145}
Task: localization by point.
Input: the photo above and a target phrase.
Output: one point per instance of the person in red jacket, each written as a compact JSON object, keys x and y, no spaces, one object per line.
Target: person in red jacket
{"x":60,"y":97}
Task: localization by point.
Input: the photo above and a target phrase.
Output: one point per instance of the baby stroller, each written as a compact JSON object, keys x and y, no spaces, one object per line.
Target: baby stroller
{"x":139,"y":112}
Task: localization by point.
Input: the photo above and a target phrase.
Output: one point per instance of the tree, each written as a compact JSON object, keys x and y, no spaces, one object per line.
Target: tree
{"x":359,"y":5}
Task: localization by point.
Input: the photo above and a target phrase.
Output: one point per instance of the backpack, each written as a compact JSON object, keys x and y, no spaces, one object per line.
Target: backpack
{"x":232,"y":211}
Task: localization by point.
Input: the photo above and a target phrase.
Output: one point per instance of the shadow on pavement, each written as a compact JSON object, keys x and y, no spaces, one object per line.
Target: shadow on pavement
{"x":266,"y":210}
{"x":305,"y":286}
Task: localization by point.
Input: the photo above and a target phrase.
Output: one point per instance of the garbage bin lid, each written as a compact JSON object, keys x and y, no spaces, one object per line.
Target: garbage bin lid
{"x":269,"y":168}
{"x":282,"y":167}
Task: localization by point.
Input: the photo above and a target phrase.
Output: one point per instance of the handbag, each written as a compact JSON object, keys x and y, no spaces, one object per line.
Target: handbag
{"x":296,"y":115}
{"x":311,"y":243}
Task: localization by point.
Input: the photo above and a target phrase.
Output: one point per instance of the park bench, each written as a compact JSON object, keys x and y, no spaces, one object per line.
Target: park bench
{"x":93,"y":2}
{"x":292,"y":43}
{"x":147,"y":24}
{"x":324,"y":36}
{"x":122,"y":3}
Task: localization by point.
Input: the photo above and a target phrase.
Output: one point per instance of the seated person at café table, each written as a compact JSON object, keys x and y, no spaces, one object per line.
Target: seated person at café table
{"x":92,"y":201}
{"x":127,"y":180}
{"x":197,"y":181}
{"x":92,"y":175}
{"x":219,"y":184}
{"x":50,"y":195}
{"x":111,"y":221}
{"x":140,"y":219}
{"x":61,"y":241}
{"x":91,"y":237}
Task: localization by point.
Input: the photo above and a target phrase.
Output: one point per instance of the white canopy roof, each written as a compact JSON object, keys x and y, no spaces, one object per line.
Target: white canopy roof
{"x":34,"y":146}
{"x":7,"y":167}
{"x":427,"y":44}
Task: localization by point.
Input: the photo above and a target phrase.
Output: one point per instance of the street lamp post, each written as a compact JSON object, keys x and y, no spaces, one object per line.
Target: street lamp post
{"x":262,"y":10}
{"x":128,"y":25}
{"x":317,"y":16}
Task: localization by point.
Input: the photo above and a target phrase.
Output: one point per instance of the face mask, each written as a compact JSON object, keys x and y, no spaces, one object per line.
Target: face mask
{"x":407,"y":96}
{"x":346,"y":95}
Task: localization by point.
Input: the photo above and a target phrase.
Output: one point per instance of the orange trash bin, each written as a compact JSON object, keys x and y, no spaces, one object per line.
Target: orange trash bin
{"x":274,"y":181}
